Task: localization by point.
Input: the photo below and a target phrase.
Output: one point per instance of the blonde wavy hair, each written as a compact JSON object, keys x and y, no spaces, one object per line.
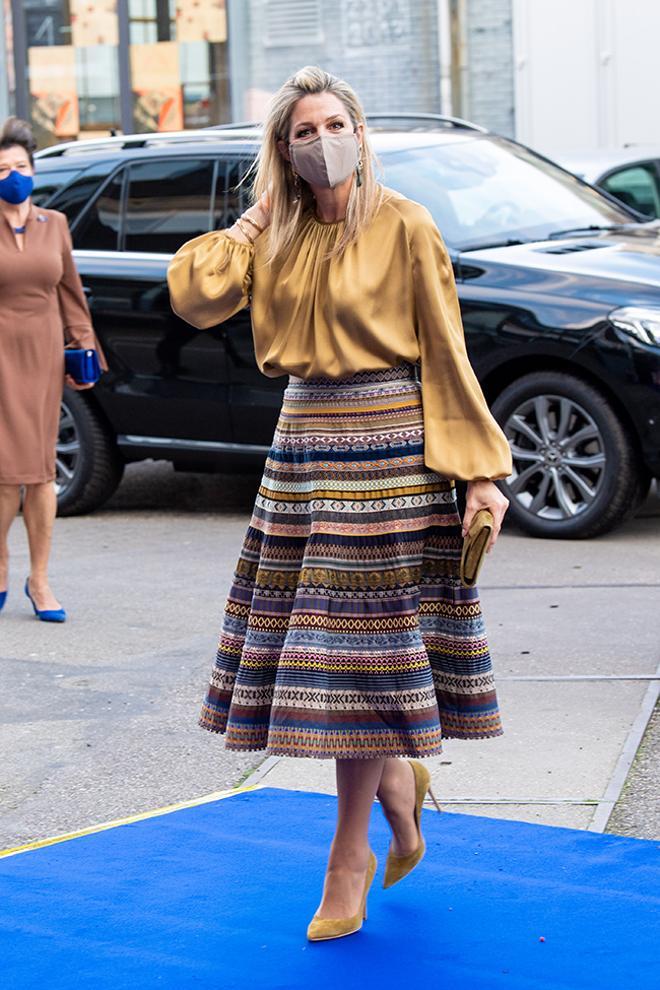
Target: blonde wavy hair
{"x":273,"y":174}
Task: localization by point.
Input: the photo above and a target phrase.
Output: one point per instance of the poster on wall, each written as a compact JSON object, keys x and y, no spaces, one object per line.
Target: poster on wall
{"x":52,"y":72}
{"x":94,"y":23}
{"x":201,"y":20}
{"x":157,"y":96}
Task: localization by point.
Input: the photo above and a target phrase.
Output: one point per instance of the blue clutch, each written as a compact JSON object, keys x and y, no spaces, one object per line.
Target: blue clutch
{"x":83,"y":365}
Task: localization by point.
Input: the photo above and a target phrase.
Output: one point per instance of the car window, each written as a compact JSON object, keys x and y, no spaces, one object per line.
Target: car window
{"x":168,"y":202}
{"x":486,"y":189}
{"x":72,"y":199}
{"x":46,"y":184}
{"x":100,"y":225}
{"x":232,"y":196}
{"x":636,"y":186}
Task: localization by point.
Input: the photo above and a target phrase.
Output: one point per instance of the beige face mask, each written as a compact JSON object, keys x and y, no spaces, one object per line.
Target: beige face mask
{"x":326,"y":160}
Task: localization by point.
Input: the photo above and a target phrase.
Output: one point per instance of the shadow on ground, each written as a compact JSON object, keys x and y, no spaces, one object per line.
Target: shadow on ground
{"x":155,"y":485}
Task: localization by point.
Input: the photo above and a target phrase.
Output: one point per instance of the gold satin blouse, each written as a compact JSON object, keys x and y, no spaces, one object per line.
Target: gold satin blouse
{"x":389,"y":298}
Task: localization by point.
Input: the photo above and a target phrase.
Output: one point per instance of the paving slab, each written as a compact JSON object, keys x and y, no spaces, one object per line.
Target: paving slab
{"x":627,"y":556}
{"x":573,"y":630}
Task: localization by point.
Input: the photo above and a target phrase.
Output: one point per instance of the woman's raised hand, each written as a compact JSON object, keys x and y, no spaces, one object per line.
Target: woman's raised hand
{"x":263,"y":206}
{"x":252,"y":221}
{"x":485,"y":495}
{"x":259,"y":211}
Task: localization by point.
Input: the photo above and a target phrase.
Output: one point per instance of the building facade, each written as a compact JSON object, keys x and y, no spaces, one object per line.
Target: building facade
{"x":79,"y":68}
{"x":389,"y":50}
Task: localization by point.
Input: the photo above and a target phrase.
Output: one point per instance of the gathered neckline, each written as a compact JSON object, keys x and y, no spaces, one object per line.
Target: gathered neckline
{"x":326,"y":223}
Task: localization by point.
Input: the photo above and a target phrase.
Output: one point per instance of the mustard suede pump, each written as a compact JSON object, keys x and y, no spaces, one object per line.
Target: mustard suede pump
{"x":397,"y":867}
{"x":321,"y":929}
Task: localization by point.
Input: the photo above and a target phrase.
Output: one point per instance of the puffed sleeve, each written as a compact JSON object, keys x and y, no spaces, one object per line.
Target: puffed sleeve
{"x":74,"y":312}
{"x":210,"y":279}
{"x":462,"y":439}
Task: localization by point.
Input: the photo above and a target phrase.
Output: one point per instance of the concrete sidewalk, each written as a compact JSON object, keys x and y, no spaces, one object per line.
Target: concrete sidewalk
{"x":574,"y":629}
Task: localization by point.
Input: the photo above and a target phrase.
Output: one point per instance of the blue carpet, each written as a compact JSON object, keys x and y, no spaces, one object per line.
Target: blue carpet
{"x":219,"y":895}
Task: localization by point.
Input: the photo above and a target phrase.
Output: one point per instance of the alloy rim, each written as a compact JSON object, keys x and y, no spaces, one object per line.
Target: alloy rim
{"x":67,"y":451}
{"x":558,"y":457}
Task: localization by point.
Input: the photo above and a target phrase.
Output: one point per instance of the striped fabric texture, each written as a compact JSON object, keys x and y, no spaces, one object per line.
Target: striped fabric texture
{"x":346,"y":632}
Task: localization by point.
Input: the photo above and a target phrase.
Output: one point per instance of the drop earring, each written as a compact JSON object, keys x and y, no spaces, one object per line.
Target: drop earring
{"x":358,"y":170}
{"x":296,"y":186}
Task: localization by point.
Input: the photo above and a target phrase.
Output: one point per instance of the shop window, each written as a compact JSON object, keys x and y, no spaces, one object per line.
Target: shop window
{"x":179,"y":70}
{"x":168,"y":203}
{"x":70,"y":66}
{"x":72,"y":79}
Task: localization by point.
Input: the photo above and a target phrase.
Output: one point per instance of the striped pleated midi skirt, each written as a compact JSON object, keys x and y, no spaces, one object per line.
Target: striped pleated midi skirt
{"x":346,"y":632}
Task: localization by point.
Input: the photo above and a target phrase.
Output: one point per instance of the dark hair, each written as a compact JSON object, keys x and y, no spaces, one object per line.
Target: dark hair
{"x":18,"y":132}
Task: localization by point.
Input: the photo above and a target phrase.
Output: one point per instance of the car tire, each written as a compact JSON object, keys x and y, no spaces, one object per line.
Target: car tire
{"x":576,"y":472}
{"x":89,"y":465}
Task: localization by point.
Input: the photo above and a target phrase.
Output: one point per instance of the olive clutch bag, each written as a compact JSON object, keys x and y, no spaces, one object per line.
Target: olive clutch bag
{"x":475,"y":545}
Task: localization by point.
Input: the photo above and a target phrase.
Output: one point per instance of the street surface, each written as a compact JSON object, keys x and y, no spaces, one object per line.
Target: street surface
{"x":99,"y":715}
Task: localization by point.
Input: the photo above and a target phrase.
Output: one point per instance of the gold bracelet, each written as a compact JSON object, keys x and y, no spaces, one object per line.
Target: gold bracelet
{"x":254,"y":223}
{"x":239,"y":224}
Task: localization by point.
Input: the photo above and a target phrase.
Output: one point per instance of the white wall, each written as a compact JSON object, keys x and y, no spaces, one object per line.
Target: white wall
{"x":586,"y":73}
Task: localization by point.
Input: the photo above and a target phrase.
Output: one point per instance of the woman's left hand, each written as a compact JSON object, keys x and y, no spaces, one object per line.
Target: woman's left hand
{"x":77,"y":386}
{"x":485,"y":495}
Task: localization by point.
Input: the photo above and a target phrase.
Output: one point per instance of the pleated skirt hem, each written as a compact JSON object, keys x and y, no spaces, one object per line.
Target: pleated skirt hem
{"x":344,"y":748}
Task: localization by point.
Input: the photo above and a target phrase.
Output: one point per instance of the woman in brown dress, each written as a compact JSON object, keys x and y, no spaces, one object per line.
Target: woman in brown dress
{"x":43,"y":305}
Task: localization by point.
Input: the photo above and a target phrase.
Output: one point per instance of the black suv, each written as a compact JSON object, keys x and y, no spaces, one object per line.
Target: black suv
{"x":559,"y":287}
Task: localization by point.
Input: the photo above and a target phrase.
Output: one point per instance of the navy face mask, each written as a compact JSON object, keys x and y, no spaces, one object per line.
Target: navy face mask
{"x":16,"y":187}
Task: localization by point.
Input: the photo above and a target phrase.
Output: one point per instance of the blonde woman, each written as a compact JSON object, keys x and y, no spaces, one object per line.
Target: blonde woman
{"x":346,"y":633}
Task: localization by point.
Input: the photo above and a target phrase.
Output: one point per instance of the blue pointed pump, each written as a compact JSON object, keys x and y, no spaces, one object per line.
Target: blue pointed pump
{"x":45,"y":615}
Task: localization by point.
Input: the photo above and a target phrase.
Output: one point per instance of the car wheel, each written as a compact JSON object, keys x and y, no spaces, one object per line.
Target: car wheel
{"x":89,"y":466}
{"x":575,"y":472}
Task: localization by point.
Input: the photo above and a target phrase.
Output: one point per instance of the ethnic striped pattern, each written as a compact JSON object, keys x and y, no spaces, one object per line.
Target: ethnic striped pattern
{"x":346,"y":632}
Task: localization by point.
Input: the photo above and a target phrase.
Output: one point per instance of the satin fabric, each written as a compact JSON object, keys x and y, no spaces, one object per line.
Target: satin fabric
{"x":389,"y":298}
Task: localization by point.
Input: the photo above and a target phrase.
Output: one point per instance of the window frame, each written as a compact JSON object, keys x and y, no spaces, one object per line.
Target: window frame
{"x":220,"y":161}
{"x":86,"y":210}
{"x":228,"y":162}
{"x":77,"y":172}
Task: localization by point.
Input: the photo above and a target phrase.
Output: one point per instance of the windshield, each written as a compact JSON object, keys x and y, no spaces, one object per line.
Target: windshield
{"x":485,"y":190}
